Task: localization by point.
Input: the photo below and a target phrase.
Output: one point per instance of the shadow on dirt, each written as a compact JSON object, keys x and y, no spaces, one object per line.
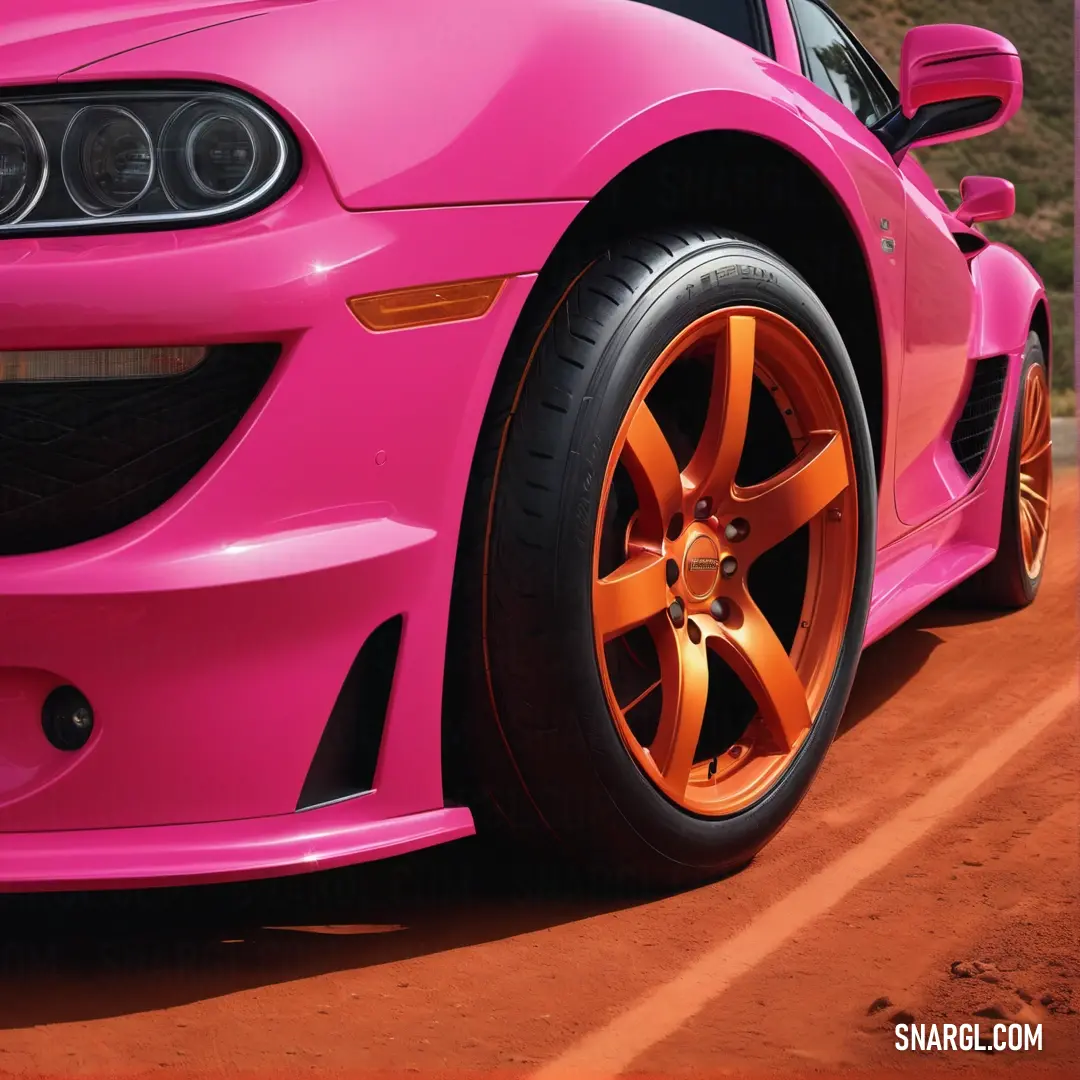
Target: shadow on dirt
{"x":85,"y":956}
{"x":889,"y":664}
{"x":884,"y":669}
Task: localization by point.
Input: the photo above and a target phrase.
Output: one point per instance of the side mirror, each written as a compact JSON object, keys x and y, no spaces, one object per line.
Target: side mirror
{"x":955,"y":82}
{"x":985,"y":198}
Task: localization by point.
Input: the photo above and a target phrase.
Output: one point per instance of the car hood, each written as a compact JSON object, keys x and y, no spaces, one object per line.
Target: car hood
{"x":40,"y":40}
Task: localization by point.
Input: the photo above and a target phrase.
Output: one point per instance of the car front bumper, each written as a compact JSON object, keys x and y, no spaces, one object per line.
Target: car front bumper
{"x":213,"y":635}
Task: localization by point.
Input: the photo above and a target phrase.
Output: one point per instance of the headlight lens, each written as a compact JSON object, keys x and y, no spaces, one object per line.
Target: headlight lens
{"x":138,"y":159}
{"x":213,"y":152}
{"x":23,"y":165}
{"x":108,"y":159}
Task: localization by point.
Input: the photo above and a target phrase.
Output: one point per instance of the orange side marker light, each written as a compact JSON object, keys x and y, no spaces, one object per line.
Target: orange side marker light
{"x":427,"y":305}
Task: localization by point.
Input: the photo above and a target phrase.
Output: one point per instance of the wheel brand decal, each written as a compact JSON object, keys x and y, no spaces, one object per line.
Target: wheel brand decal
{"x":705,"y":564}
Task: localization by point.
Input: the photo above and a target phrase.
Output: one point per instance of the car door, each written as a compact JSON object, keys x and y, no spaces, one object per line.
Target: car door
{"x":938,"y":289}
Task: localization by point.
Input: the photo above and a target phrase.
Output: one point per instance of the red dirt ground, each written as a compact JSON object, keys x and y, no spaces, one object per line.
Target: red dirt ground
{"x":450,"y":964}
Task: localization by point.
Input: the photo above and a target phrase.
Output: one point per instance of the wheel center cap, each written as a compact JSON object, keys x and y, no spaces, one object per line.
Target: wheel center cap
{"x":701,"y":566}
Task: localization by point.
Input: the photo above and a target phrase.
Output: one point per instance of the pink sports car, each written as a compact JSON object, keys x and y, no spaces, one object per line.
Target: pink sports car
{"x":421,"y":414}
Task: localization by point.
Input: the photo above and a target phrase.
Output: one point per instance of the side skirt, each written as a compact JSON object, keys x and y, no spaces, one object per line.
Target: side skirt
{"x":934,"y":558}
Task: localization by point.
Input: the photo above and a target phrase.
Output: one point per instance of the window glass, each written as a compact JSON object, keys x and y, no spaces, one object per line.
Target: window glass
{"x":735,"y":18}
{"x":836,"y":65}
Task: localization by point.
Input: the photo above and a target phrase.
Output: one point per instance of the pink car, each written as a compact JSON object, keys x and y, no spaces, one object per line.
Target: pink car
{"x":528,"y":410}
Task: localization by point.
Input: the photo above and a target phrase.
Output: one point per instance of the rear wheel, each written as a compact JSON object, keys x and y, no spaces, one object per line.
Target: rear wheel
{"x":666,"y":563}
{"x":1012,"y":580}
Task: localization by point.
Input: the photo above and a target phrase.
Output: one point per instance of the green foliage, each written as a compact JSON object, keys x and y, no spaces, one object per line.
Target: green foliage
{"x":1063,"y":402}
{"x":1063,"y":322}
{"x":1027,"y":202}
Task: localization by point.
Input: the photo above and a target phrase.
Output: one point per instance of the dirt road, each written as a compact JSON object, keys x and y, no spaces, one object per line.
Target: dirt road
{"x":932,"y":871}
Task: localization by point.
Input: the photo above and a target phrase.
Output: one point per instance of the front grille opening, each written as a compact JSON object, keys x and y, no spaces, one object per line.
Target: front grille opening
{"x":79,"y":460}
{"x":348,"y":752}
{"x":975,"y":428}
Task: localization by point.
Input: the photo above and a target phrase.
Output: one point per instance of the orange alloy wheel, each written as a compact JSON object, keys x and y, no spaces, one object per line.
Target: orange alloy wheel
{"x":1036,"y":470}
{"x":675,"y":604}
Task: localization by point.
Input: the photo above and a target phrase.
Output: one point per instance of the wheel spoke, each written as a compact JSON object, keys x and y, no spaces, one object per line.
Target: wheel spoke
{"x":779,"y":506}
{"x":684,"y":674}
{"x":1031,"y":408}
{"x":631,"y":595}
{"x":1036,"y":448}
{"x":756,"y":655}
{"x":655,"y":474}
{"x":711,"y":472}
{"x":1038,"y":523}
{"x":1027,"y":529}
{"x":630,"y":706}
{"x":1036,"y":437}
{"x":1029,"y":492}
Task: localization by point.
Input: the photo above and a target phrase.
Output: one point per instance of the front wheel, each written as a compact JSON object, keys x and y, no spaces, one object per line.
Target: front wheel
{"x":674,"y":548}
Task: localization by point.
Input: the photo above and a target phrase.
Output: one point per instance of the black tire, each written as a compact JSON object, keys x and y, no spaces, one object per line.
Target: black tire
{"x":527,"y":705}
{"x":1005,"y":584}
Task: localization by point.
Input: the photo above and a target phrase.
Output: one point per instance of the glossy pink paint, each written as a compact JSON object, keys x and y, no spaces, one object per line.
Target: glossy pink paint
{"x":42,"y":40}
{"x":938,"y":64}
{"x":213,"y":635}
{"x":947,"y":62}
{"x":222,"y":851}
{"x":985,"y":198}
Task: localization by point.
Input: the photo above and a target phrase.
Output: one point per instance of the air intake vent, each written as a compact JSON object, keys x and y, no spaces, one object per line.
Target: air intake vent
{"x":82,"y":459}
{"x":969,"y":243}
{"x":973,"y":431}
{"x":348,"y":752}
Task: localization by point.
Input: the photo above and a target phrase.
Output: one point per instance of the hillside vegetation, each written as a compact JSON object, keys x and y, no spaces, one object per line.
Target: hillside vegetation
{"x":1034,"y":150}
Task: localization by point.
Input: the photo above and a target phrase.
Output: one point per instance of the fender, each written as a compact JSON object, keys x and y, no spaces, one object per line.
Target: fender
{"x":489,"y":102}
{"x":567,"y":92}
{"x":1007,"y":293}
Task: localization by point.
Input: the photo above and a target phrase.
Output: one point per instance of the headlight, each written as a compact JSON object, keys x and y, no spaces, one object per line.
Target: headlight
{"x":107,"y":159}
{"x":111,"y":159}
{"x":23,"y":165}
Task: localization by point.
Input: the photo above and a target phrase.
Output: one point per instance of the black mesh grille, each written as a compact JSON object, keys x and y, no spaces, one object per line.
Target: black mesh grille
{"x":974,"y":429}
{"x":79,"y":460}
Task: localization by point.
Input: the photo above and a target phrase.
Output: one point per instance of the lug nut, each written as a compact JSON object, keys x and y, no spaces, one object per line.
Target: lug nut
{"x":694,"y":631}
{"x":678,"y":616}
{"x":719,"y":610}
{"x":672,"y":572}
{"x":703,"y":509}
{"x":728,"y":566}
{"x":739,"y":529}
